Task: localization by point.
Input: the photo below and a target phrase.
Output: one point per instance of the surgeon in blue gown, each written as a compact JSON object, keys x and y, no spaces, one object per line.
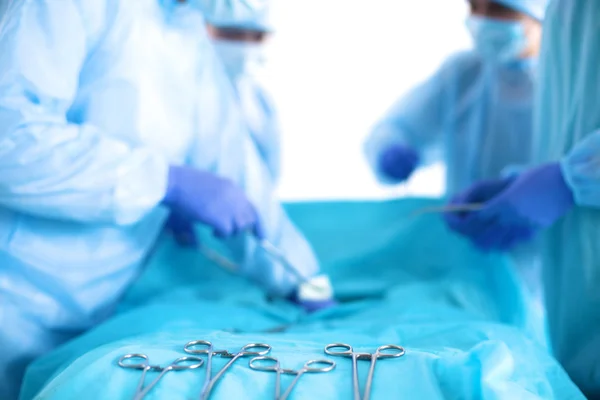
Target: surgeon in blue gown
{"x":240,"y":35}
{"x":558,"y":196}
{"x":113,"y":115}
{"x":475,"y":113}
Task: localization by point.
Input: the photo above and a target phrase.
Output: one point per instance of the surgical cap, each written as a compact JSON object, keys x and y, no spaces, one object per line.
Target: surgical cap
{"x":534,"y":8}
{"x":245,"y":14}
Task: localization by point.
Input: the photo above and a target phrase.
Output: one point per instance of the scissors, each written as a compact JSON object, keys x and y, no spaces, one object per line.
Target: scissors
{"x":143,"y":363}
{"x":449,"y":208}
{"x":274,"y":366}
{"x":252,"y":349}
{"x":347,"y":351}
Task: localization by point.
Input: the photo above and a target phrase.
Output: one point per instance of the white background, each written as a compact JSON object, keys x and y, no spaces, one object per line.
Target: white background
{"x":336,"y":66}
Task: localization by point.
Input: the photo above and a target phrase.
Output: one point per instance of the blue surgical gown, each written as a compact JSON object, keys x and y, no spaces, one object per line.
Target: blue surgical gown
{"x":97,"y":98}
{"x":568,"y":129}
{"x":260,"y":112}
{"x":3,"y":5}
{"x":474,"y":115}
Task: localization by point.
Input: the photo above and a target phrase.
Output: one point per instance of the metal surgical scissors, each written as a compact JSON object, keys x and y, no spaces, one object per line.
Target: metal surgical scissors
{"x":274,"y":366}
{"x":143,"y":363}
{"x":246,"y":351}
{"x":347,"y":351}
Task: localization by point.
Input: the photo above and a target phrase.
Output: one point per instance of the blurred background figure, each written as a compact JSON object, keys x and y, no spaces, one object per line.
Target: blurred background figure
{"x":240,"y":30}
{"x":109,"y":124}
{"x":560,"y":195}
{"x":475,"y":113}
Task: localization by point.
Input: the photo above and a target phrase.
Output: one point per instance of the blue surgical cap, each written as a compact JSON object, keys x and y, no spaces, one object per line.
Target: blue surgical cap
{"x":534,"y":8}
{"x":244,"y":14}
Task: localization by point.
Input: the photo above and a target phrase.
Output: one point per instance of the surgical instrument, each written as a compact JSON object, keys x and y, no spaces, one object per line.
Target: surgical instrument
{"x":276,"y":329}
{"x":274,"y":366}
{"x":143,"y":363}
{"x":347,"y":351}
{"x":278,"y":255}
{"x":449,"y":208}
{"x":218,"y":259}
{"x":268,"y":248}
{"x":245,"y":351}
{"x":203,"y":347}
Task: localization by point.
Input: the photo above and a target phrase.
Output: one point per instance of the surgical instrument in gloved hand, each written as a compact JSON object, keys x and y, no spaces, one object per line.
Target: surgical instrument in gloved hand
{"x":532,"y":201}
{"x":472,"y":199}
{"x":203,"y":197}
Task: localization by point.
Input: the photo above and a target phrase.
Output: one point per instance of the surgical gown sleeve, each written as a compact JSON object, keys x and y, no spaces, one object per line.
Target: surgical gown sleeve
{"x":416,"y":120}
{"x":581,"y":168}
{"x":51,"y":166}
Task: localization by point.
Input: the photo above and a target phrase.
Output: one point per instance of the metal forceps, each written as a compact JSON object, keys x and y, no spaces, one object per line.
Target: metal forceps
{"x":270,"y":249}
{"x":347,"y":351}
{"x":143,"y":364}
{"x":274,"y":366}
{"x":278,"y":255}
{"x":204,"y":347}
{"x":251,"y":349}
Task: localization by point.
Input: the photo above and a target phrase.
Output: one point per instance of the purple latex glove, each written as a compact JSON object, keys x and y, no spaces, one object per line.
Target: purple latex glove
{"x":398,"y":162}
{"x":480,"y":192}
{"x":533,"y":201}
{"x":202,"y":197}
{"x":467,"y":224}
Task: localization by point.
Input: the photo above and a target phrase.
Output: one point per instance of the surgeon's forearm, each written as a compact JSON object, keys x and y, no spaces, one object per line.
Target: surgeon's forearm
{"x":76,"y":172}
{"x":48,"y":166}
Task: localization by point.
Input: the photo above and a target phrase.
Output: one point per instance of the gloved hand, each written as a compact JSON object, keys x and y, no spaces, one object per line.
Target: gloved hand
{"x":479,"y":193}
{"x":535,"y":200}
{"x":202,"y":197}
{"x":398,"y":162}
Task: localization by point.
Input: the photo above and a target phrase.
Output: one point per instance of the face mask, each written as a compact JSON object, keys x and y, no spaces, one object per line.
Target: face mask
{"x":498,"y":40}
{"x":240,"y":58}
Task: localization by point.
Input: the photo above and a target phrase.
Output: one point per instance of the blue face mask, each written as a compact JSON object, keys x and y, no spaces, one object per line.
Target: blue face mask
{"x":498,"y":40}
{"x":240,"y":58}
